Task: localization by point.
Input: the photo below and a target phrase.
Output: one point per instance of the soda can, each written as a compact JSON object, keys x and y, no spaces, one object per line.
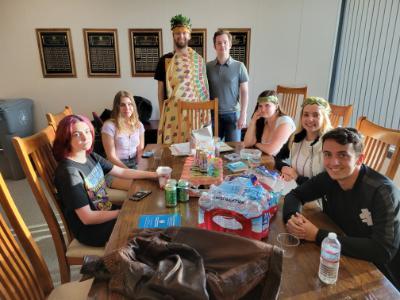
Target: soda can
{"x":183,"y":190}
{"x":203,"y":162}
{"x":170,"y":195}
{"x":197,"y":158}
{"x":171,"y":181}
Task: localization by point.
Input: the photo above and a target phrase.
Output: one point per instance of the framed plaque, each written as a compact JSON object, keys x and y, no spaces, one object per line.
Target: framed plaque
{"x":102,"y":57}
{"x":146,"y":49}
{"x":56,"y":54}
{"x":199,"y":41}
{"x":240,"y":44}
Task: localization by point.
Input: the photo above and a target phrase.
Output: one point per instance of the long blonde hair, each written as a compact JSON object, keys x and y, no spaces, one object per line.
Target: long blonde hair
{"x":325,"y":112}
{"x":133,"y":122}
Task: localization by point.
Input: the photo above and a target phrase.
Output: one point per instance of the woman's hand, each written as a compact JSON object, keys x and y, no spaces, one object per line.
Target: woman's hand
{"x":256,"y":116}
{"x":289,"y":173}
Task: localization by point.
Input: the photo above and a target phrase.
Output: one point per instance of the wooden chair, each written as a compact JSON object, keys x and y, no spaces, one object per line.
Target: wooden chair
{"x":54,"y":119}
{"x":377,"y":140}
{"x":192,"y":112}
{"x":340,"y":115}
{"x":290,"y":99}
{"x":23,"y":271}
{"x":37,"y":160}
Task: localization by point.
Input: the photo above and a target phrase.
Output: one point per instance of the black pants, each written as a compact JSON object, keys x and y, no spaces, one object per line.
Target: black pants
{"x":96,"y":235}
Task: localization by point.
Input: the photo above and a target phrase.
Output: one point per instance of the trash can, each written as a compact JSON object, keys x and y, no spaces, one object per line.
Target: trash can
{"x":16,"y":119}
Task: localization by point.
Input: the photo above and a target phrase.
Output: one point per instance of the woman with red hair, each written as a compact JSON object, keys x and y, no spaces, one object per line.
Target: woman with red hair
{"x":80,"y":181}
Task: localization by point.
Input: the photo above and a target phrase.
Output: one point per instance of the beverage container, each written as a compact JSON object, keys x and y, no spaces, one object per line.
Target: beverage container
{"x":170,"y":195}
{"x":197,"y":158}
{"x":172,"y":181}
{"x":329,"y":261}
{"x":217,"y":146}
{"x":183,"y":190}
{"x":164,"y":173}
{"x":203,"y":162}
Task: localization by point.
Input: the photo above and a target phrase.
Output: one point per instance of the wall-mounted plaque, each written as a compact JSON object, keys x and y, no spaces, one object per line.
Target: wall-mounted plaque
{"x":102,"y":52}
{"x":240,"y":44}
{"x":56,"y":54}
{"x":146,"y":49}
{"x":199,"y":41}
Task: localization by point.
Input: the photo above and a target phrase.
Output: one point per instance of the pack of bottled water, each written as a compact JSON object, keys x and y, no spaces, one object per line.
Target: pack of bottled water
{"x":239,"y":205}
{"x":271,"y":181}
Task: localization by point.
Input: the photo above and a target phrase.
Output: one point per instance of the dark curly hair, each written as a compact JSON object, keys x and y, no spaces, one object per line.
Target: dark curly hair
{"x":344,"y":136}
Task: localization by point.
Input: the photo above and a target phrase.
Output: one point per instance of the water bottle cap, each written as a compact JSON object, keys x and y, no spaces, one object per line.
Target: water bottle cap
{"x":332,"y":235}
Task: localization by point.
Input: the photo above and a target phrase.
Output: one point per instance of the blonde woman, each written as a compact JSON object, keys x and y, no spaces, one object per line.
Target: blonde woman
{"x":304,"y":148}
{"x":123,"y":137}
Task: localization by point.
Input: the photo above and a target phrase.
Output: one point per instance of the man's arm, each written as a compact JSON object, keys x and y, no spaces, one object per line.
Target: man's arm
{"x":244,"y":100}
{"x":161,"y":96}
{"x":309,"y":191}
{"x":384,"y":241}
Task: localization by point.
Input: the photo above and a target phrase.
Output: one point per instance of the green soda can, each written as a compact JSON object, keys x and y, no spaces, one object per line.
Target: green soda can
{"x":171,"y":181}
{"x":170,"y":195}
{"x":183,"y":190}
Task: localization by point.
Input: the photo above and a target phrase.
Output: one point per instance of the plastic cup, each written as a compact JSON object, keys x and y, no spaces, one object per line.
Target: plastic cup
{"x":288,"y":242}
{"x":164,"y":173}
{"x":238,"y":147}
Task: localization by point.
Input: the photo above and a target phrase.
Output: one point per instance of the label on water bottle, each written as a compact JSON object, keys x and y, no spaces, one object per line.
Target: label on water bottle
{"x":330,"y":254}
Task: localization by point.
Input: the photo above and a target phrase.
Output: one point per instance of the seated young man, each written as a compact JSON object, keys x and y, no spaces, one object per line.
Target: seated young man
{"x":364,"y":203}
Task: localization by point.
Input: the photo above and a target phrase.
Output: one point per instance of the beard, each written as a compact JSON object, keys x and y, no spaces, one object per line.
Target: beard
{"x":181,"y":44}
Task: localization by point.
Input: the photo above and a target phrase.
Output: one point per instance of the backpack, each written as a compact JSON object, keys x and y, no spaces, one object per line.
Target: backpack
{"x":144,"y":108}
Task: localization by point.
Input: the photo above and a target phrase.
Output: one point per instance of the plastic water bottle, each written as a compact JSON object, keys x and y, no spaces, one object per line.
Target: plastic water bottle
{"x":329,"y":261}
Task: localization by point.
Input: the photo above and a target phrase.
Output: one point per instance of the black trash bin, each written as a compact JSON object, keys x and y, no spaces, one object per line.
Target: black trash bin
{"x":16,"y":119}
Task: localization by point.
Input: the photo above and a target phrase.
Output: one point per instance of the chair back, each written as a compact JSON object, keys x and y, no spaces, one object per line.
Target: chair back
{"x":377,"y":140}
{"x":54,"y":119}
{"x":37,"y":160}
{"x":290,"y":99}
{"x":19,"y":275}
{"x":340,"y":115}
{"x":191,"y":114}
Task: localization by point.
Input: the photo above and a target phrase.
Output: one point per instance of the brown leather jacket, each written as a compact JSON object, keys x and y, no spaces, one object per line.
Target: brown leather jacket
{"x":190,"y":263}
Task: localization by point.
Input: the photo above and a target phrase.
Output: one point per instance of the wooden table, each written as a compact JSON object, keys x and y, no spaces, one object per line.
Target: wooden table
{"x":358,"y":279}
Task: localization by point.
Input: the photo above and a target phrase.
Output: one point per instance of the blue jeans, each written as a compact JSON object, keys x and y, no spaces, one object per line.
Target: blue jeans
{"x":227,"y":127}
{"x":129,"y":162}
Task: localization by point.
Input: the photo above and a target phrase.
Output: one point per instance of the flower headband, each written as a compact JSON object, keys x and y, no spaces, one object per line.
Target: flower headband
{"x":271,"y":98}
{"x":318,"y":101}
{"x":180,"y":22}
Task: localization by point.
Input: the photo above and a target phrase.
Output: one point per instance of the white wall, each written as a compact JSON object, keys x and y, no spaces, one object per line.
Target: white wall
{"x":292,"y":42}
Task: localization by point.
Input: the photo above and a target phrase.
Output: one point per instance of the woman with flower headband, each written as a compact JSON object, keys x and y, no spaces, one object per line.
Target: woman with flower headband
{"x":269,"y":128}
{"x":123,"y":137}
{"x":304,"y":148}
{"x":185,"y":80}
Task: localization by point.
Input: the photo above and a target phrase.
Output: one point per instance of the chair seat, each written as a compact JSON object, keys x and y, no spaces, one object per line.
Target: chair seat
{"x":116,"y":196}
{"x":72,"y":290}
{"x":76,"y":249}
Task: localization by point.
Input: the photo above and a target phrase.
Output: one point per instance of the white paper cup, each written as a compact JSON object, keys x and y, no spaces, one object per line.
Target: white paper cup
{"x":164,"y":173}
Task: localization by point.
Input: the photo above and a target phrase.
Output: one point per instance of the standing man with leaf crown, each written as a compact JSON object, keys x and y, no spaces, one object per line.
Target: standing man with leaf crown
{"x":185,"y":80}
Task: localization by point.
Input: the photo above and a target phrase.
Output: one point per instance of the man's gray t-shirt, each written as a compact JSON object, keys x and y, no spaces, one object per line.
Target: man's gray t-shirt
{"x":224,"y":81}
